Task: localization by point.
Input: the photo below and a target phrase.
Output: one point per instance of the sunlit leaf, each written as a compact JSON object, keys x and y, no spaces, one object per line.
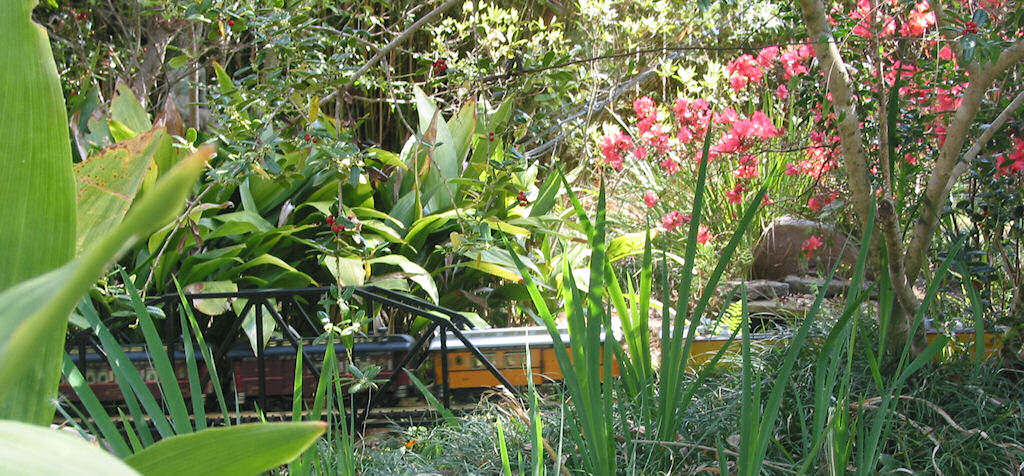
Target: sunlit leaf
{"x":37,"y":451}
{"x":108,"y":183}
{"x":241,"y":450}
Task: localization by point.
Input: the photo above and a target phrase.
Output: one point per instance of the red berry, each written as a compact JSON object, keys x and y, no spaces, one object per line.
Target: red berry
{"x":522,"y":199}
{"x":330,"y":219}
{"x":337,"y":228}
{"x":81,"y":16}
{"x":306,"y":137}
{"x":440,"y":67}
{"x":231,"y":22}
{"x":970,"y":28}
{"x":315,"y":140}
{"x":490,"y":136}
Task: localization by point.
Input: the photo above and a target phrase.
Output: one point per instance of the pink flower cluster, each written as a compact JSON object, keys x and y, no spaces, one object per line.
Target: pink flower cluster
{"x":743,"y":132}
{"x":1014,"y":164}
{"x":915,"y":23}
{"x":746,"y":69}
{"x":821,"y":158}
{"x":693,"y":116}
{"x":651,"y":132}
{"x":612,"y":147}
{"x":810,"y":245}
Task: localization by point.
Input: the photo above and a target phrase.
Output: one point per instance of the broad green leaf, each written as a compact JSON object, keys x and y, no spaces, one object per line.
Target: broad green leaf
{"x":422,"y":228}
{"x":108,"y":183}
{"x":37,"y":185}
{"x":386,"y":157}
{"x":443,"y":155}
{"x":120,"y":131}
{"x":126,"y":109}
{"x":415,"y":272}
{"x":462,"y":126}
{"x":241,"y":450}
{"x":211,"y":307}
{"x":270,"y":260}
{"x":627,"y":245}
{"x":249,"y":323}
{"x":34,"y":314}
{"x":38,"y":451}
{"x":547,"y":196}
{"x":348,"y":271}
{"x":507,"y":227}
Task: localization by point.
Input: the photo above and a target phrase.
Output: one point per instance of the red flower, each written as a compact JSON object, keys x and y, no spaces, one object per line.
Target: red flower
{"x":650,"y":199}
{"x":612,"y":146}
{"x":782,"y":92}
{"x":812,"y":243}
{"x":440,"y":67}
{"x":674,"y":219}
{"x":814,"y":204}
{"x":735,"y":196}
{"x":645,"y":107}
{"x":743,"y":70}
{"x":767,"y":55}
{"x":703,"y":235}
{"x":669,"y":165}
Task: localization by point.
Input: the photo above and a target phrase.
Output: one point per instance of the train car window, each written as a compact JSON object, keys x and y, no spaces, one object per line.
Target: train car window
{"x":492,"y":356}
{"x":515,"y":359}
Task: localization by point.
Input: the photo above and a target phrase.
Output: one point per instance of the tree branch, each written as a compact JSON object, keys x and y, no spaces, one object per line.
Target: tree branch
{"x":839,"y":85}
{"x":943,"y":176}
{"x":400,"y":38}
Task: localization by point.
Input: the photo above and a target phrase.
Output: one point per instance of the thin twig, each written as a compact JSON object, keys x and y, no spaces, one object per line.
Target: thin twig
{"x":399,"y":39}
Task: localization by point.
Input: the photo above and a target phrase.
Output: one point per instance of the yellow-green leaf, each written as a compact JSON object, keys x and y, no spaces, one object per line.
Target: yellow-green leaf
{"x":34,"y":314}
{"x":126,"y":109}
{"x":31,"y":450}
{"x":211,"y":307}
{"x":241,"y":450}
{"x":37,"y":186}
{"x":348,"y":271}
{"x":108,"y":183}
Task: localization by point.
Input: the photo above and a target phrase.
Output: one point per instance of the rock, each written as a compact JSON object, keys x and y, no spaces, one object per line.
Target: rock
{"x":778,"y":253}
{"x":758,"y":289}
{"x":812,"y":285}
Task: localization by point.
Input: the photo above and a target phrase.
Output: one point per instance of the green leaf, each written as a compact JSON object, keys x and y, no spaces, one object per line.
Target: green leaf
{"x":627,"y":245}
{"x":37,"y":186}
{"x":33,"y":451}
{"x":211,"y":307}
{"x":415,"y":272}
{"x":238,"y":450}
{"x":348,"y":271}
{"x":119,"y":131}
{"x":249,"y":323}
{"x":443,"y":155}
{"x":461,"y":127}
{"x":547,"y":196}
{"x":108,"y":183}
{"x":34,"y":314}
{"x":126,"y":109}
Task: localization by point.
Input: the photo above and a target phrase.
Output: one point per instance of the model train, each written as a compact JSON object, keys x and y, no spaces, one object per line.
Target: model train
{"x":504,"y":349}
